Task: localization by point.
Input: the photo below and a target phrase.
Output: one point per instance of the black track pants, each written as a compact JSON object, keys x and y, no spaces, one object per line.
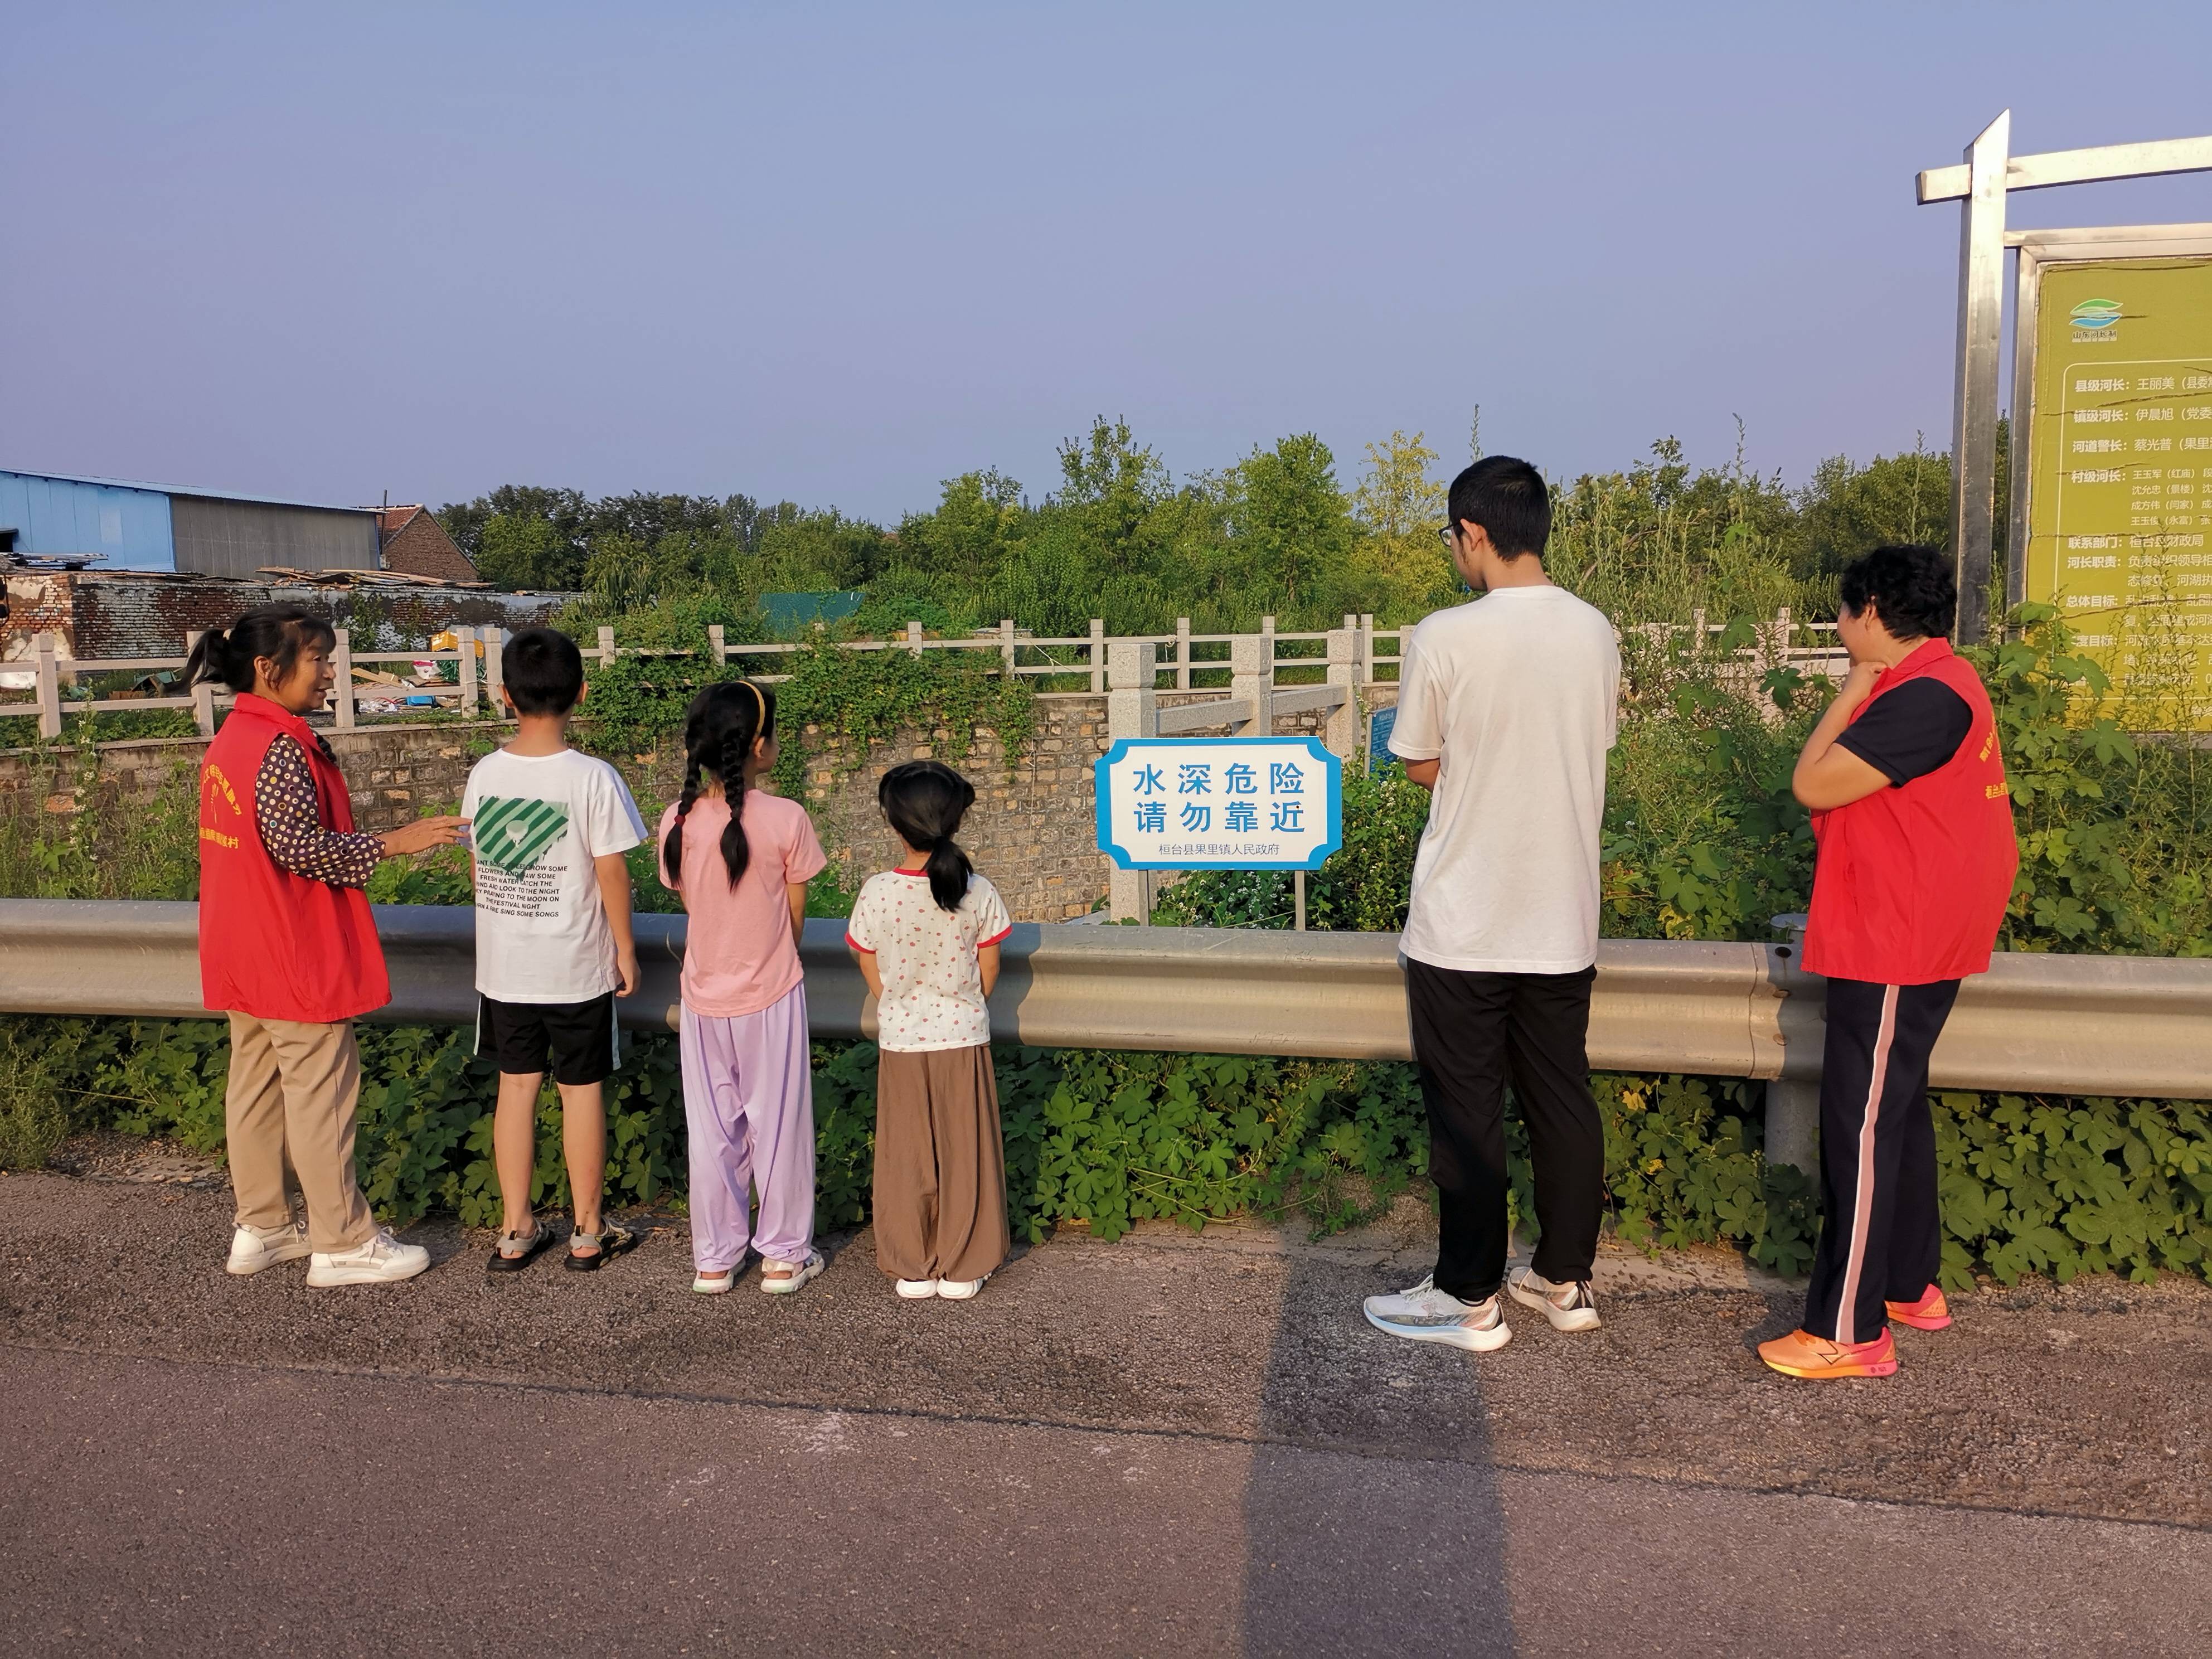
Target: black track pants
{"x":1882,"y":1239}
{"x":1474,"y":1034}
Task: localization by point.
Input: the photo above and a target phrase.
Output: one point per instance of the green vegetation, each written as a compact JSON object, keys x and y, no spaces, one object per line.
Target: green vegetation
{"x":1278,"y":533}
{"x":1701,"y":841}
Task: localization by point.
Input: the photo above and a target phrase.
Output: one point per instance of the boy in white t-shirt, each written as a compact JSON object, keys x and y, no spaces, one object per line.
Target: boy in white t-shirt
{"x":548,"y":826}
{"x":1505,"y":712}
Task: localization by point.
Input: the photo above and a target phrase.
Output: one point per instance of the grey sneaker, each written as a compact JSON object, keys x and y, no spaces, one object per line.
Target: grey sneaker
{"x":1425,"y":1314}
{"x":1569,"y":1307}
{"x":253,"y":1248}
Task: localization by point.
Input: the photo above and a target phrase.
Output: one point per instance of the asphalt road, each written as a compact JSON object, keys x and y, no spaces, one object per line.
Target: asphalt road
{"x":1160,"y":1445}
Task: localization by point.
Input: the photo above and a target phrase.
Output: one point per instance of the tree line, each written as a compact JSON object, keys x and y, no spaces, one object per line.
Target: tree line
{"x":1281,"y":533}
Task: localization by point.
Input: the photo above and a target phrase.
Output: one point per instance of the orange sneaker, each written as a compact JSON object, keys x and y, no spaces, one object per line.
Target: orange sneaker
{"x":1800,"y":1354}
{"x":1930,"y":1313}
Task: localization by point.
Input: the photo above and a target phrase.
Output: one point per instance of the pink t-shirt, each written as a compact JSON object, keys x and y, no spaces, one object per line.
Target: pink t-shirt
{"x":738,"y":954}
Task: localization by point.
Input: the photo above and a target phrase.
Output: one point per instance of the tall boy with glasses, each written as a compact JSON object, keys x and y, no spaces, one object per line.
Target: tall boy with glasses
{"x":1505,"y":712}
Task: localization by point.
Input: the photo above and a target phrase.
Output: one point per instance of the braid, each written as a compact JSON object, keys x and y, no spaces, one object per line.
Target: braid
{"x":724,"y":722}
{"x":673,"y":855}
{"x":735,"y":855}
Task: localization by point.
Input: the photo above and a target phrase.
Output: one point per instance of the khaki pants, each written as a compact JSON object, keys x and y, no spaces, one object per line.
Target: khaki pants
{"x":294,"y":1087}
{"x":940,"y":1197}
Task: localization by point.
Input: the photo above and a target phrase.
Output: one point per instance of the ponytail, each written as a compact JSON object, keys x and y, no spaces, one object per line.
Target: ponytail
{"x":925,"y":801}
{"x":721,"y":728}
{"x":278,"y":632}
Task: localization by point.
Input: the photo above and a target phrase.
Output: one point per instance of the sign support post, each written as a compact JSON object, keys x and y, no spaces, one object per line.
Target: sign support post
{"x":1974,"y":399}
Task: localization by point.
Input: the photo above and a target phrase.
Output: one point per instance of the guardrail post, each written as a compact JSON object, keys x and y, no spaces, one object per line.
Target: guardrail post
{"x":1267,"y":633}
{"x":914,"y":637}
{"x":466,"y":639}
{"x":1251,"y":680}
{"x":1697,"y":632}
{"x":1367,"y":648}
{"x":49,"y":689}
{"x":607,"y":653}
{"x":203,"y":693}
{"x":1341,"y":732}
{"x":341,"y":684}
{"x":718,"y":644}
{"x":494,"y":651}
{"x":1793,"y":1104}
{"x":1182,"y":654}
{"x":1132,"y":710}
{"x":1097,"y":655}
{"x":1006,"y":649}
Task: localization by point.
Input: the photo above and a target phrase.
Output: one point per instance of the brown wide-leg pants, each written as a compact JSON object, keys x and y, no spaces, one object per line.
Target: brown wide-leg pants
{"x":940,"y":1196}
{"x":294,"y":1087}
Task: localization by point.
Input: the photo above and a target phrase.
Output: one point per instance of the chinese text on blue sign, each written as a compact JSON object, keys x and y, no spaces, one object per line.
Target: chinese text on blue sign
{"x":1219,"y":803}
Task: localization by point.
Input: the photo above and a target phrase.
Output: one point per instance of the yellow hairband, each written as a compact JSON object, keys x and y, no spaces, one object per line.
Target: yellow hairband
{"x":759,"y":700}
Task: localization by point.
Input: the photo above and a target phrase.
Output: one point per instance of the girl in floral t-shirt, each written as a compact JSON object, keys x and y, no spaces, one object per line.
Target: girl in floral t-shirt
{"x":927,"y":937}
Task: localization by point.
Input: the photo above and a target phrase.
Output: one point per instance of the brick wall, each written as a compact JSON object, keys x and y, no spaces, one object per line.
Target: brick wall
{"x":106,"y":614}
{"x":415,"y":543}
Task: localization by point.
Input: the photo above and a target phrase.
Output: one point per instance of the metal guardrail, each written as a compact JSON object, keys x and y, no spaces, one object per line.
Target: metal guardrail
{"x":2051,"y":1025}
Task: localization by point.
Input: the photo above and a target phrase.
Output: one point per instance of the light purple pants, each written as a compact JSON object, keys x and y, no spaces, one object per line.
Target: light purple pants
{"x":749,"y":1098}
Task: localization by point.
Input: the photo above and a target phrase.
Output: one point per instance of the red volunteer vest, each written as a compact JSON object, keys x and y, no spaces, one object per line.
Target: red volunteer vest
{"x":1910,"y":884}
{"x":274,"y":945}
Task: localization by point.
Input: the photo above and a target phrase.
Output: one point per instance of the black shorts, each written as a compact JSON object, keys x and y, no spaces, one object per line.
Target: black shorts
{"x":580,"y":1036}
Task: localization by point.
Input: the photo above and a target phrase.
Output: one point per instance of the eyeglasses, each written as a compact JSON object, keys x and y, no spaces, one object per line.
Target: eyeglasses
{"x":1449,"y":534}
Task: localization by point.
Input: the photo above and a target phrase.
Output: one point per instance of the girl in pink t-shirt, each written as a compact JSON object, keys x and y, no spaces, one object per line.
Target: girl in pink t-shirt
{"x":740,"y":860}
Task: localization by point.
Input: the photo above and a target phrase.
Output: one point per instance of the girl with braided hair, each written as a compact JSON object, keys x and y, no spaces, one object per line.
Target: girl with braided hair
{"x":740,"y":859}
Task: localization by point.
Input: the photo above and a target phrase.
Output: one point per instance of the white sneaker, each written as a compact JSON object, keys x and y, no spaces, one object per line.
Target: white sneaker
{"x":1569,"y":1307}
{"x":706,"y":1286}
{"x":383,"y":1260}
{"x":1426,"y":1314}
{"x":958,"y":1290}
{"x":253,"y":1248}
{"x":800,"y":1273}
{"x":917,"y":1289}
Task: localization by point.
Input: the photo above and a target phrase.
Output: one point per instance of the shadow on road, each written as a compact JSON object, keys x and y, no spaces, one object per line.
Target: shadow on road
{"x":1352,"y":1548}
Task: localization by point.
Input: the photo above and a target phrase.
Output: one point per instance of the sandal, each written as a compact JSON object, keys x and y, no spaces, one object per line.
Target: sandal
{"x":794,"y":1273}
{"x":611,"y":1241}
{"x":515,"y":1251}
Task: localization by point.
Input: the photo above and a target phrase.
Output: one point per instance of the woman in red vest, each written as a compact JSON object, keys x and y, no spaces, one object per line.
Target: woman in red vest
{"x":289,"y":951}
{"x":1914,"y":867}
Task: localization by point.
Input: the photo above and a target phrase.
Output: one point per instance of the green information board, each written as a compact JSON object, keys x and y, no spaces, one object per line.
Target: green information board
{"x":2119,"y":505}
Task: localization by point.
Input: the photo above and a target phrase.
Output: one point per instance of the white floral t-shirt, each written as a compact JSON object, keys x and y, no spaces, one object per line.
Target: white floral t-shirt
{"x":932,"y":991}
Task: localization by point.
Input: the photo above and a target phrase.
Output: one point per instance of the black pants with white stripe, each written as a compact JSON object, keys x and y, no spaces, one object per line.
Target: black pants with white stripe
{"x":1474,"y":1033}
{"x":1882,"y":1239}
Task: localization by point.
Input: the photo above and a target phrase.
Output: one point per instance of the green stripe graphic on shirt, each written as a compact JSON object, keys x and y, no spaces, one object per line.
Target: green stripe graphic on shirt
{"x":512,"y":835}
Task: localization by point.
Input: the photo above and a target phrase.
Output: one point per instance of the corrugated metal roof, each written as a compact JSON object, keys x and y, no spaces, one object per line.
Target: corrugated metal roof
{"x":181,"y":490}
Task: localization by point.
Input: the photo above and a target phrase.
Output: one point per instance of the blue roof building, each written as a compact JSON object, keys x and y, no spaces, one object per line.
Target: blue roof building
{"x":120,"y":526}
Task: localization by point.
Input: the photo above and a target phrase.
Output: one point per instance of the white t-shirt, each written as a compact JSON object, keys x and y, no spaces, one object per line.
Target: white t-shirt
{"x":932,"y":990}
{"x":1516,"y":694}
{"x":537,"y":822}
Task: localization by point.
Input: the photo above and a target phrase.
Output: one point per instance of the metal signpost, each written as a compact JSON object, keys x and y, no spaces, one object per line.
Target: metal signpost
{"x":1220,"y":803}
{"x":1980,"y":184}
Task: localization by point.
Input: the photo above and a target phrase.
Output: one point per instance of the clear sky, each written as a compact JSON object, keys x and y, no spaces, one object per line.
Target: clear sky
{"x":837,"y":253}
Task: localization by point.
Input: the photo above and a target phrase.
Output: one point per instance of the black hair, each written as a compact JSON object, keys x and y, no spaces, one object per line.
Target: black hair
{"x":543,"y":672}
{"x":1507,"y":498}
{"x":1911,"y":588}
{"x":925,"y":801}
{"x":278,"y":632}
{"x":720,"y":729}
